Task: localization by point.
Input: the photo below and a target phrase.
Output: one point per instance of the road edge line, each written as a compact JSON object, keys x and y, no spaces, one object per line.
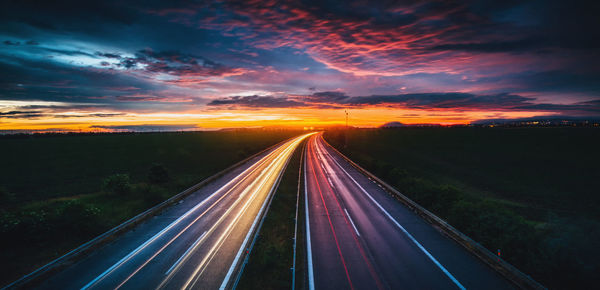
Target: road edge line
{"x":502,"y":267}
{"x":311,"y":276}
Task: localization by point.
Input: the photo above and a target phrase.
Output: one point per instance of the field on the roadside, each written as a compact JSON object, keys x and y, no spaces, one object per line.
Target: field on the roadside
{"x":533,"y":193}
{"x":58,"y":191}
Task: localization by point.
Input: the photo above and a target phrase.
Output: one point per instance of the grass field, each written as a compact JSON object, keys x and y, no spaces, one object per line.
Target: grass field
{"x":58,"y":191}
{"x":531,"y":192}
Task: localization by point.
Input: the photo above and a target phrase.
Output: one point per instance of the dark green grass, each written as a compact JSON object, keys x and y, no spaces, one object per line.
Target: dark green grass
{"x":52,"y":196}
{"x":531,"y":192}
{"x":270,"y":262}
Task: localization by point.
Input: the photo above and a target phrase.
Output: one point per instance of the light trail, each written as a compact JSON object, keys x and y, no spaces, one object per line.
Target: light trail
{"x":348,"y":189}
{"x":242,"y":197}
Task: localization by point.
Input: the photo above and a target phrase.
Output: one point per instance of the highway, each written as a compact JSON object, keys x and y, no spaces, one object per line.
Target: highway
{"x":360,"y":237}
{"x":198,"y":243}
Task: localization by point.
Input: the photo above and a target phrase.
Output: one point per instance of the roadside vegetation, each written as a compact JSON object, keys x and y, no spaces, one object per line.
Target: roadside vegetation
{"x":530,"y":192}
{"x":270,"y":262}
{"x":58,"y":191}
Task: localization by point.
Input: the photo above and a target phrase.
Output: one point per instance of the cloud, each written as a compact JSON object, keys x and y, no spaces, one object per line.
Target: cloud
{"x":179,"y":64}
{"x":154,"y":98}
{"x":520,"y":45}
{"x":553,"y":119}
{"x":183,"y":65}
{"x":21,"y":115}
{"x":149,"y":127}
{"x":257,"y":102}
{"x":44,"y":79}
{"x":424,"y":101}
{"x":108,"y":54}
{"x":68,"y":14}
{"x":38,"y":114}
{"x":503,"y":55}
{"x":386,"y":38}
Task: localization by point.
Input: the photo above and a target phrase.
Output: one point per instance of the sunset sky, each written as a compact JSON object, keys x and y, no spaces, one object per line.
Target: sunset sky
{"x":118,"y":65}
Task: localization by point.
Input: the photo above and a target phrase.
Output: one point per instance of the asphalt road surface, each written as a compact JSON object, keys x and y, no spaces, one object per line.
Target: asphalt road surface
{"x":198,"y":243}
{"x":360,"y":237}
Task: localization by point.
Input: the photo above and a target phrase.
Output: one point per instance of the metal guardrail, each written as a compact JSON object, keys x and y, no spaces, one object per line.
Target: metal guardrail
{"x":99,"y":241}
{"x":507,"y":270}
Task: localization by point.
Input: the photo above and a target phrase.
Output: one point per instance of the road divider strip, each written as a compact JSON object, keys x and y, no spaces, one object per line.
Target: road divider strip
{"x":296,"y":216}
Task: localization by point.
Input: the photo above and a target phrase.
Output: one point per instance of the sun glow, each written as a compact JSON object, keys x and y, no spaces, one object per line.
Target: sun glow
{"x":215,"y":119}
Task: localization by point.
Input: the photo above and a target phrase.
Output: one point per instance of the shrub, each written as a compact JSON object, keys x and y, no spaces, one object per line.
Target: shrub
{"x":117,"y":183}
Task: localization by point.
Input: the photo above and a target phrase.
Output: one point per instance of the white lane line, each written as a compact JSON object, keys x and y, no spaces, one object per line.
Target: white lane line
{"x":243,"y":246}
{"x":311,"y":275}
{"x":434,"y":260}
{"x":174,"y":223}
{"x":352,"y":222}
{"x":287,"y":155}
{"x":179,"y":234}
{"x":186,"y":252}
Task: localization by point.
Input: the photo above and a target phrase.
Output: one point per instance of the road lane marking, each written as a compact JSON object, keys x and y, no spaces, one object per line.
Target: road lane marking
{"x":197,"y":242}
{"x":189,"y":225}
{"x":212,"y":252}
{"x":174,"y":223}
{"x":434,"y":260}
{"x":311,"y":279}
{"x":330,"y":222}
{"x":372,"y":271}
{"x":352,"y":222}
